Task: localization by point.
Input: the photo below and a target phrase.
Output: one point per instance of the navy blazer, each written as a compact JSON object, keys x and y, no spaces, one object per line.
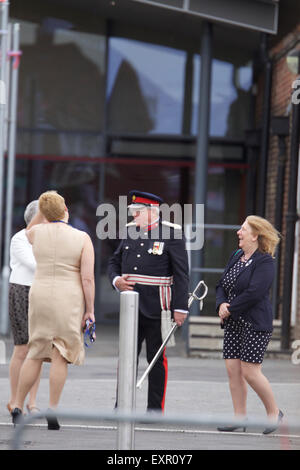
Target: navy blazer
{"x":251,"y":290}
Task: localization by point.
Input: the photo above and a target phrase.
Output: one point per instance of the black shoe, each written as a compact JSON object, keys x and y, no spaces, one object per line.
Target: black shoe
{"x":231,"y":428}
{"x":17,"y":416}
{"x":273,"y":428}
{"x":53,"y":424}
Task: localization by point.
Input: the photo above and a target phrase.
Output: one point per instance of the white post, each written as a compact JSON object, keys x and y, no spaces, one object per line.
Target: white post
{"x":2,"y":352}
{"x":129,"y":303}
{"x":4,"y":321}
{"x":3,"y":103}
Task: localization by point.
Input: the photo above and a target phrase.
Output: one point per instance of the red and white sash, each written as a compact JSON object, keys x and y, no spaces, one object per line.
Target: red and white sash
{"x":165,"y":294}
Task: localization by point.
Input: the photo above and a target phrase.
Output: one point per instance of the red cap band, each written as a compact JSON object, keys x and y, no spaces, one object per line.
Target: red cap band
{"x":143,"y":200}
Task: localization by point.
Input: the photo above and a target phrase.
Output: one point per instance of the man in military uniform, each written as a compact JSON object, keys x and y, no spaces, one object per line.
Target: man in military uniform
{"x":156,"y":266}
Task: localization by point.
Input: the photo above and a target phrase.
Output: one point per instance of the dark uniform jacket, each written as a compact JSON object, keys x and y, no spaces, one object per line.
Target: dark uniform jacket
{"x":137,"y":257}
{"x":251,"y":289}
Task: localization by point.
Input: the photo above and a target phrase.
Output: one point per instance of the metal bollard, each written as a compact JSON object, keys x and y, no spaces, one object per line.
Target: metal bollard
{"x":129,"y":305}
{"x":2,"y":353}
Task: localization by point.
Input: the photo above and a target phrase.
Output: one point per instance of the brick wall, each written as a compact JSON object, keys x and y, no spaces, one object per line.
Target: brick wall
{"x":282,"y":80}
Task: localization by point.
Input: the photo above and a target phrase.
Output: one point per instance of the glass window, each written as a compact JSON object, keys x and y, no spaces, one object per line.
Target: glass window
{"x":225,"y":206}
{"x":145,"y":87}
{"x":230,"y":112}
{"x":61,"y":89}
{"x":60,"y":114}
{"x":77,"y":182}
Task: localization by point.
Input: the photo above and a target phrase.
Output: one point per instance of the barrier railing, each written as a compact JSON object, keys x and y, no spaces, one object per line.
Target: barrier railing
{"x":195,"y":420}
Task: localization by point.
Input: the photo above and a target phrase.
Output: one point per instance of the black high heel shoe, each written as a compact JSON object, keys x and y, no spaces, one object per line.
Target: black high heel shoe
{"x":53,"y":424}
{"x":273,"y":428}
{"x":231,"y":428}
{"x":17,"y":416}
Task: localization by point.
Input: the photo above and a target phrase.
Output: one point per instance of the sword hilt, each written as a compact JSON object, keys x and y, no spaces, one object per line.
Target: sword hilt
{"x":193,"y":296}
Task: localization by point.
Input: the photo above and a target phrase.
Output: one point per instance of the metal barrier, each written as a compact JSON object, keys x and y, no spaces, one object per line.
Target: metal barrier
{"x":12,"y":119}
{"x":194,"y":420}
{"x":2,"y":352}
{"x":3,"y":104}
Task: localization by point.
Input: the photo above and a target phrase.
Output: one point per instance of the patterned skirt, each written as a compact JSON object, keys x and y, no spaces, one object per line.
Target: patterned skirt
{"x":242,"y":342}
{"x":18,"y":312}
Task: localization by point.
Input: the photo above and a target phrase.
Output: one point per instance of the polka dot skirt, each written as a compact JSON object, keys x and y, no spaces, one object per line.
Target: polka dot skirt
{"x":241,"y":341}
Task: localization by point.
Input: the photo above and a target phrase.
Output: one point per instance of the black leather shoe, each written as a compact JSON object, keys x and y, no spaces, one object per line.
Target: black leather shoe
{"x":231,"y":428}
{"x":273,"y":428}
{"x":53,"y":424}
{"x":17,"y":416}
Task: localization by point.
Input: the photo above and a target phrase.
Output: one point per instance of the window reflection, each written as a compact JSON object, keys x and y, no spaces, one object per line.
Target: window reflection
{"x":146,"y":91}
{"x":61,"y":91}
{"x":230,"y":113}
{"x":145,"y":87}
{"x":77,"y":182}
{"x":60,"y":114}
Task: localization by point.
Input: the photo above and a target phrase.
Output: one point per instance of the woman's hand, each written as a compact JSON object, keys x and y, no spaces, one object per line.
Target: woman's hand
{"x":223,"y":311}
{"x":88,"y":316}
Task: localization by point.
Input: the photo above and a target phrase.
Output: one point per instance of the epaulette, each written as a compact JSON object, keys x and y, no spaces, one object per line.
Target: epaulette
{"x":170,"y":224}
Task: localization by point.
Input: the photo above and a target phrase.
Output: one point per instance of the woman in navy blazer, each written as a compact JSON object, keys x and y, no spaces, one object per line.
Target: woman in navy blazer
{"x":243,"y":305}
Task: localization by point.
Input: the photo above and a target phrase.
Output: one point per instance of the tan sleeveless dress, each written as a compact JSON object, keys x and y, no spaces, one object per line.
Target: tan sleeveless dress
{"x":56,"y":299}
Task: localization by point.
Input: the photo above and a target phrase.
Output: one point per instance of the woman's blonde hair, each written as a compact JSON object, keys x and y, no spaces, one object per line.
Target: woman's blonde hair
{"x":267,"y":235}
{"x":52,"y":205}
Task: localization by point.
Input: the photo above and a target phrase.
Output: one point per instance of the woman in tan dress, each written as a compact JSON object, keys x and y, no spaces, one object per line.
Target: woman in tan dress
{"x":61,"y":299}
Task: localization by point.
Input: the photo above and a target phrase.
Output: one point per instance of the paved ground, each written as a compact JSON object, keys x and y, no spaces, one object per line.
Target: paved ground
{"x":197,"y":387}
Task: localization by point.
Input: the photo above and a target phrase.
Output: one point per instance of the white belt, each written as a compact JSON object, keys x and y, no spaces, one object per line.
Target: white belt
{"x":150,"y":280}
{"x":165,"y":294}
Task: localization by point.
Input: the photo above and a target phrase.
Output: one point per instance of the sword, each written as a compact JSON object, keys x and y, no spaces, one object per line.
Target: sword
{"x":193,"y":296}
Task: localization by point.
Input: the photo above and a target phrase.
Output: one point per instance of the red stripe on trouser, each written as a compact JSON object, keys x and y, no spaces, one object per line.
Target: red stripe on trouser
{"x":165,"y":364}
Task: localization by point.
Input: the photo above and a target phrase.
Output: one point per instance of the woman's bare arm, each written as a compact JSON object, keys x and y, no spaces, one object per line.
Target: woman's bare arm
{"x":88,"y":279}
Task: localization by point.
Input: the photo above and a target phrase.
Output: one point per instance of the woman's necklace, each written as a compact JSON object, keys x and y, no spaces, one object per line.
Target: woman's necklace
{"x":245,"y":259}
{"x":62,"y":221}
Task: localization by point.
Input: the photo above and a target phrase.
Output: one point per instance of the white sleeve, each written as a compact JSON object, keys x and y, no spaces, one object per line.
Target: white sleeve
{"x":114,"y":282}
{"x":22,"y":253}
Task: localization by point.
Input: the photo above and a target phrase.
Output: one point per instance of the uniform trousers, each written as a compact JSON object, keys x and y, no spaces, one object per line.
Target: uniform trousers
{"x":150,"y":331}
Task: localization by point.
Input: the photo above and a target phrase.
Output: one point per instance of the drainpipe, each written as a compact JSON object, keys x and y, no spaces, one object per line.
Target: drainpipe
{"x":202,"y":146}
{"x":262,"y":177}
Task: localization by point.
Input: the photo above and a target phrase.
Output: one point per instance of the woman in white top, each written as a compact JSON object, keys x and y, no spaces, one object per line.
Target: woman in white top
{"x":22,"y":263}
